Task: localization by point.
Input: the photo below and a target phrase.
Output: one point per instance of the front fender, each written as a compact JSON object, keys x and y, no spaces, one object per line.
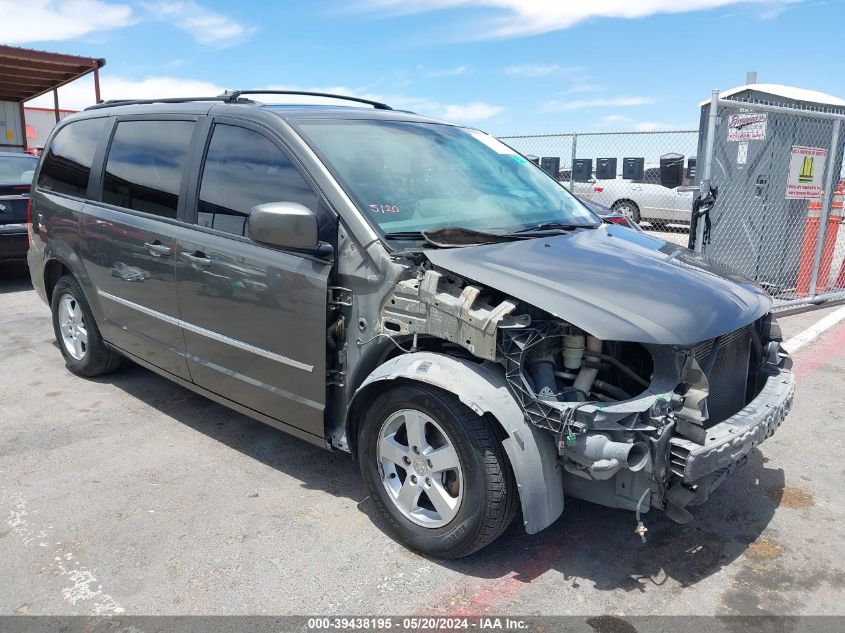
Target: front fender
{"x":482,"y":387}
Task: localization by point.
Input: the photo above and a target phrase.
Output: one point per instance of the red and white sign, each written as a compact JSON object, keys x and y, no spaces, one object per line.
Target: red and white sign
{"x":806,"y":171}
{"x":747,"y":127}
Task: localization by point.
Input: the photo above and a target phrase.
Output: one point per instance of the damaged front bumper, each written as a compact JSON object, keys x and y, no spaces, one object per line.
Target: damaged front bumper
{"x":688,"y":459}
{"x":727,"y":444}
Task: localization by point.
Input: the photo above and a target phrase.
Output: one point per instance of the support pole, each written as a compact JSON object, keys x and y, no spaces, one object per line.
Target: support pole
{"x":56,"y":104}
{"x":97,"y":83}
{"x":826,"y":205}
{"x":23,"y":125}
{"x":572,"y":164}
{"x":707,"y":166}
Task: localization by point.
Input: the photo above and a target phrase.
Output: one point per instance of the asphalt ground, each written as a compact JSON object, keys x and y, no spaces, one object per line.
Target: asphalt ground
{"x":129,"y":494}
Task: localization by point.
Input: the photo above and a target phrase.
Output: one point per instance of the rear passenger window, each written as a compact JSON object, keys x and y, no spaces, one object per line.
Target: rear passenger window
{"x":244,"y":169}
{"x":145,"y":165}
{"x":67,"y":162}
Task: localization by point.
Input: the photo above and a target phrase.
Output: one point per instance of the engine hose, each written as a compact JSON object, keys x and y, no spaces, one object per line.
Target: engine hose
{"x":612,"y":390}
{"x":624,"y":369}
{"x":595,"y":364}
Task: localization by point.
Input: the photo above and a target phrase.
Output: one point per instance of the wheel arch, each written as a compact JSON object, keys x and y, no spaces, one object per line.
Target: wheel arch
{"x":62,"y":258}
{"x":481,"y":387}
{"x":628,"y":200}
{"x":54,"y":269}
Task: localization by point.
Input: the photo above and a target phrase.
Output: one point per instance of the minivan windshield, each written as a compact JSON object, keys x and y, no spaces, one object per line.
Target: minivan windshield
{"x":410,"y":177}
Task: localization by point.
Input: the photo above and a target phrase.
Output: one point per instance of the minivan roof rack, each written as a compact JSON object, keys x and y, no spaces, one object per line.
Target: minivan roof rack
{"x":117,"y":102}
{"x":234,"y":94}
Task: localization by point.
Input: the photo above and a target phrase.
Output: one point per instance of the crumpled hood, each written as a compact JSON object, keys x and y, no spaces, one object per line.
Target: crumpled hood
{"x":616,"y":284}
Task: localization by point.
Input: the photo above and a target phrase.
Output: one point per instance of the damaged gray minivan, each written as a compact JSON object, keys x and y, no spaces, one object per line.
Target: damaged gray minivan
{"x":415,"y":293}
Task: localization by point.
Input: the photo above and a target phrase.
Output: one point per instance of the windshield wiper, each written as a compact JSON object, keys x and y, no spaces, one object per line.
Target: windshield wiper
{"x":457,"y":236}
{"x":404,"y":235}
{"x":552,"y":226}
{"x":452,"y":236}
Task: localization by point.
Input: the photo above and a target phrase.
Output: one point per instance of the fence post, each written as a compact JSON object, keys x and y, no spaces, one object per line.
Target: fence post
{"x":572,"y":164}
{"x":707,"y":167}
{"x":826,"y":206}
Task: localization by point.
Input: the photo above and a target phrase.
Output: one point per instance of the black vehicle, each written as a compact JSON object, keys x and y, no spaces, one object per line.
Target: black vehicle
{"x":411,"y":292}
{"x":16,"y":171}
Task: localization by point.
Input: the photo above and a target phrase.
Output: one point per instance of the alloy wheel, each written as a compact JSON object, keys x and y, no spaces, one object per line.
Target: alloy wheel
{"x":72,"y":327}
{"x":420,"y":468}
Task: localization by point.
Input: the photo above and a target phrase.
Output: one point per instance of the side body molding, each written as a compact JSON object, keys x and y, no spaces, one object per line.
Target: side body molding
{"x":482,"y":387}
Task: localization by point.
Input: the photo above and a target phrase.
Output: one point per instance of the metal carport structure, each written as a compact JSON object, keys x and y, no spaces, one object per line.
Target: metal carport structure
{"x":26,"y":74}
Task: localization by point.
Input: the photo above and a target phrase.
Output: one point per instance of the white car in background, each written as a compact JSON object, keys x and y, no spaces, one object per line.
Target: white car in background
{"x":581,"y":189}
{"x":643,"y":200}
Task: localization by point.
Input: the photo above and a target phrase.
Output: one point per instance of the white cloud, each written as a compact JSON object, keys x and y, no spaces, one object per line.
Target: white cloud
{"x":614,"y":118}
{"x":579,"y":104}
{"x":769,"y":11}
{"x":626,"y":123}
{"x":516,"y":18}
{"x":532,"y":70}
{"x":80,"y":93}
{"x":475,"y":111}
{"x":581,"y":81}
{"x":26,"y":21}
{"x":203,"y":24}
{"x":455,"y":112}
{"x":449,"y":72}
{"x":581,"y":87}
{"x":649,"y":126}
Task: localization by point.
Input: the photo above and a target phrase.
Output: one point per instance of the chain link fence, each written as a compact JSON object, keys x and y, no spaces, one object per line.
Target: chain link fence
{"x":778,"y":215}
{"x":622,"y":172}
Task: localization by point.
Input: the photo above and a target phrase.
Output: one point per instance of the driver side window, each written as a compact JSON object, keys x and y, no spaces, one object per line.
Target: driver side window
{"x":243,"y":169}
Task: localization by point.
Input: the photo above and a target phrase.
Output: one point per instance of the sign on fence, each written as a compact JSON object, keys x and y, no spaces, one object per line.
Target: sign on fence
{"x":747,"y":127}
{"x":806,"y":171}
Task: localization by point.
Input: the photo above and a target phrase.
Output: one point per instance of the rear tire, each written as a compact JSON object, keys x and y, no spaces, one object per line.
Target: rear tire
{"x":459,"y":460}
{"x":77,"y":334}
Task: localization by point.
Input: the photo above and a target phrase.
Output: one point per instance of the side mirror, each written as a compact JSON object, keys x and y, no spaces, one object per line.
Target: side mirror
{"x":284,"y":224}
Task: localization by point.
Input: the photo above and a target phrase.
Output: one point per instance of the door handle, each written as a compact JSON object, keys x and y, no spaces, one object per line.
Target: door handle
{"x":197,"y":259}
{"x":157,"y":249}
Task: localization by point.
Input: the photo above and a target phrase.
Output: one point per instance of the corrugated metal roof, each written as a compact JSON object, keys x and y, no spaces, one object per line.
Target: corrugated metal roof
{"x":27,"y":73}
{"x":779,"y":91}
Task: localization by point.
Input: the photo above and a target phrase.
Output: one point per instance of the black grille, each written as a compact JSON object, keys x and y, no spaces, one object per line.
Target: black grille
{"x":727,"y":372}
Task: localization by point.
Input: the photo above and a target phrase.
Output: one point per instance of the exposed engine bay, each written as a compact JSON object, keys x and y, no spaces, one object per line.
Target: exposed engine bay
{"x":633,"y":422}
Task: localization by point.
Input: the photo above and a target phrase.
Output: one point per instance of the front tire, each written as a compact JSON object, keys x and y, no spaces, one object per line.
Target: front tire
{"x":77,"y":333}
{"x":436,"y":471}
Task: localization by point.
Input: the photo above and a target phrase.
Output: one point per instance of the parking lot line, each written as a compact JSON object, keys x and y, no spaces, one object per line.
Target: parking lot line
{"x":834,"y":345}
{"x":813,"y":332}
